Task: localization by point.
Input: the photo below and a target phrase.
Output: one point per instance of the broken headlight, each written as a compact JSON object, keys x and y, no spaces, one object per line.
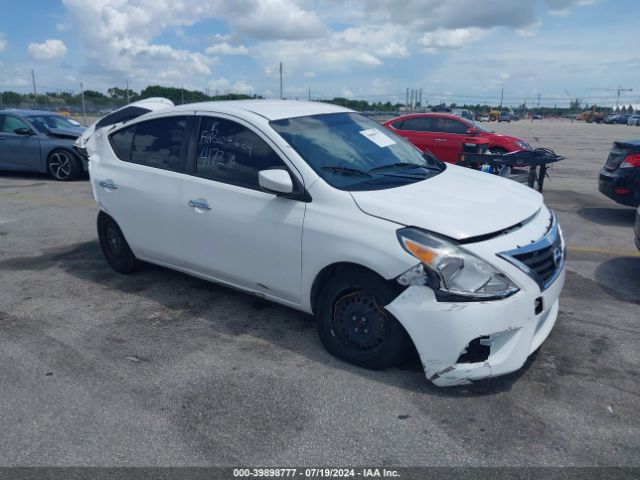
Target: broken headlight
{"x":453,"y":273}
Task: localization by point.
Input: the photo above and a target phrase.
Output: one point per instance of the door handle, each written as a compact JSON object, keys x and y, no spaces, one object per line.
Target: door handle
{"x":199,"y":204}
{"x":440,"y":140}
{"x":108,"y":184}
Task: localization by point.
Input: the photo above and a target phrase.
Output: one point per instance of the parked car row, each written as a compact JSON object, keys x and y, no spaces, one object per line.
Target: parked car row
{"x":319,"y":208}
{"x":623,"y":119}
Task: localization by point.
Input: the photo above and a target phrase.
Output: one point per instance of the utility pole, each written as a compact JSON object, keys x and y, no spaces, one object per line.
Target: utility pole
{"x":309,"y":94}
{"x":620,"y":89}
{"x":35,"y":94}
{"x":84,"y":111}
{"x":127,"y":90}
{"x":501,"y":97}
{"x":406,"y":102}
{"x":281,"y":97}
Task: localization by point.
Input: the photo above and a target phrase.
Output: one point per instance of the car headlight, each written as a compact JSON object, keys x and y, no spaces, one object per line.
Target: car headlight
{"x":453,"y":273}
{"x":523,"y":145}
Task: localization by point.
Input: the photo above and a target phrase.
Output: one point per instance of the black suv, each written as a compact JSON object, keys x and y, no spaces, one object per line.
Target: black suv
{"x":620,"y":176}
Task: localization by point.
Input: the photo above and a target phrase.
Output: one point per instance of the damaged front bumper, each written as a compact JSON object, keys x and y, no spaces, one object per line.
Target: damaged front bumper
{"x":463,"y":341}
{"x":460,"y":342}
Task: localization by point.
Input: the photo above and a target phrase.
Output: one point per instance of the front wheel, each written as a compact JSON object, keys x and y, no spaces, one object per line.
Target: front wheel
{"x":63,"y":165}
{"x":114,"y":246}
{"x":353,"y":324}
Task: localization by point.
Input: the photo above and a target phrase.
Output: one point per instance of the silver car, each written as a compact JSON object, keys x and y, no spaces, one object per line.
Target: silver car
{"x":40,"y":141}
{"x":634,"y":120}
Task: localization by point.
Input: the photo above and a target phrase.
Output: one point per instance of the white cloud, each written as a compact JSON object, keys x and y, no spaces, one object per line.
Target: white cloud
{"x":49,"y":50}
{"x":309,"y":74}
{"x":277,"y":19}
{"x":3,"y":42}
{"x":225,"y":48}
{"x":529,"y":30}
{"x":450,"y":39}
{"x":394,"y":50}
{"x":222,"y":86}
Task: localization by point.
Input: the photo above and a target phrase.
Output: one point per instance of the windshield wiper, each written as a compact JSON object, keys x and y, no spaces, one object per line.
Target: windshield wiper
{"x":345,"y":170}
{"x":405,"y":165}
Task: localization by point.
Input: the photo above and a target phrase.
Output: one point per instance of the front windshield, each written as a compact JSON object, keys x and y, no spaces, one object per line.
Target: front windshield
{"x":351,"y":152}
{"x":45,"y":122}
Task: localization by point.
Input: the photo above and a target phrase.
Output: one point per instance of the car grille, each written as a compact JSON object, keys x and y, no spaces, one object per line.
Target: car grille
{"x":542,"y":260}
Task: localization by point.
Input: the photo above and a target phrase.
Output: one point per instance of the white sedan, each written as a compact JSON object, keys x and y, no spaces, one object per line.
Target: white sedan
{"x":321,"y":209}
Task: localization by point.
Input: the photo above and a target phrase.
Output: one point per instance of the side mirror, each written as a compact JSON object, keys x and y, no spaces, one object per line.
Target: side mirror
{"x":23,"y":131}
{"x":276,"y":181}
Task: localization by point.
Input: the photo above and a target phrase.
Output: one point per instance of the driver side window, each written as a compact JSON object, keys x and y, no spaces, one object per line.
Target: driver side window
{"x":11,"y":123}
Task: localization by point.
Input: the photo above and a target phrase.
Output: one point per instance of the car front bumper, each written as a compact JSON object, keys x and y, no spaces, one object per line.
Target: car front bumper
{"x":463,"y":341}
{"x":442,"y":332}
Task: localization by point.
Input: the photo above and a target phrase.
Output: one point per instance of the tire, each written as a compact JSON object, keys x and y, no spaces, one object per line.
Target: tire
{"x":63,"y":165}
{"x":498,"y":150}
{"x":114,"y":246}
{"x":353,"y":324}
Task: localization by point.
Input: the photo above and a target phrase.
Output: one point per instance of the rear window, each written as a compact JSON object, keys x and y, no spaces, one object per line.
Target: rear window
{"x":123,"y":115}
{"x":121,"y":143}
{"x":158,"y":143}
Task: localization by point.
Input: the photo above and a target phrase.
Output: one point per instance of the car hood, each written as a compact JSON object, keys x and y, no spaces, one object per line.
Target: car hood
{"x":502,"y":137}
{"x":459,"y":203}
{"x":70,"y":132}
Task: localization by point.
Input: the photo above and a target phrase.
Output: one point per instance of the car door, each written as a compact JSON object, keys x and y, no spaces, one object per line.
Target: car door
{"x":140,"y":186}
{"x":231,"y":229}
{"x":18,"y":152}
{"x":420,"y":132}
{"x":450,"y":134}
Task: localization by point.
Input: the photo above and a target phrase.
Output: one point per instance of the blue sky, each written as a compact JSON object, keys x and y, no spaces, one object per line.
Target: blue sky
{"x":457,"y":50}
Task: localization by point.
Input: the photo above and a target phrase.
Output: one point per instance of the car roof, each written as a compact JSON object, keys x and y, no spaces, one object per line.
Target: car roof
{"x":19,"y":111}
{"x":269,"y":109}
{"x":429,"y":114}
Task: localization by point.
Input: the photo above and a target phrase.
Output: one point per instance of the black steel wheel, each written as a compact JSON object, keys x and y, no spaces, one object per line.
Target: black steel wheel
{"x":354,"y":325}
{"x":114,"y":246}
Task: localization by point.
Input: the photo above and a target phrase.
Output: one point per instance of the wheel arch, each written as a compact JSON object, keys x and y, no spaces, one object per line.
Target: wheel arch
{"x":324,"y":275}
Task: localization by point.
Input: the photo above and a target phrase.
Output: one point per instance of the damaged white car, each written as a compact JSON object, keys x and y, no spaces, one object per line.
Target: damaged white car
{"x":319,"y":208}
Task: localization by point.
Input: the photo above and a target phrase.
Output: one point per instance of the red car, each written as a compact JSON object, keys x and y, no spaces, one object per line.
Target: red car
{"x":443,"y":134}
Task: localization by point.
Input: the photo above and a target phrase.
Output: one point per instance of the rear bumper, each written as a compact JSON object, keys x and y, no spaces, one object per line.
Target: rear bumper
{"x":614,"y":184}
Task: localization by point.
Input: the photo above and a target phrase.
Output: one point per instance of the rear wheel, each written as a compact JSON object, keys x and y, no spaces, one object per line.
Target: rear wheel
{"x":114,"y":246}
{"x":353,"y":324}
{"x":63,"y":165}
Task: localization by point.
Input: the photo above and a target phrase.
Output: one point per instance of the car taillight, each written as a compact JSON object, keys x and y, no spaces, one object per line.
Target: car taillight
{"x":631,"y":161}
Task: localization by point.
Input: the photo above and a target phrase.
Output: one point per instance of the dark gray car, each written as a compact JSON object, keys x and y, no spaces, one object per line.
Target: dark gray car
{"x":40,"y":141}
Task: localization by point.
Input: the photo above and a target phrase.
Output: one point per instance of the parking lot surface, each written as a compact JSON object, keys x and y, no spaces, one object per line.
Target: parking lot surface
{"x":158,"y":368}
